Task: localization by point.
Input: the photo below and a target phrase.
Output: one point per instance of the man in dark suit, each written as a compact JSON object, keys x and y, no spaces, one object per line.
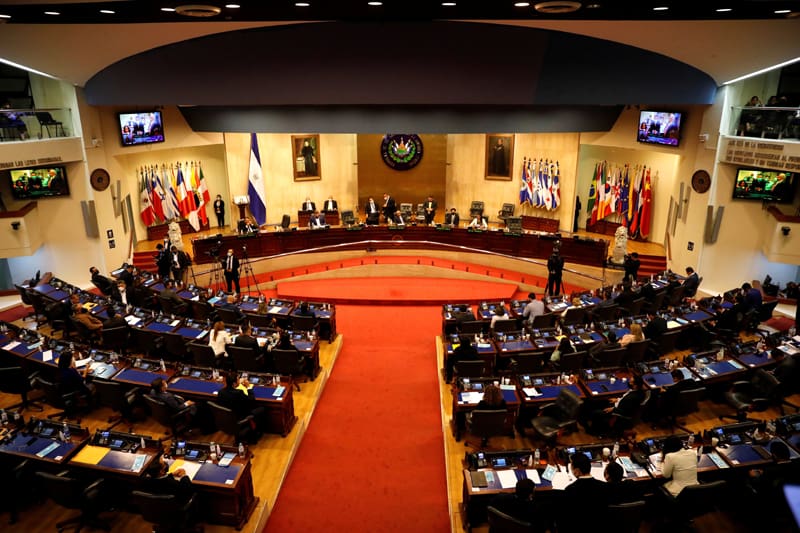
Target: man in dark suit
{"x":179,"y":263}
{"x":237,"y":395}
{"x":465,"y":351}
{"x":585,"y":499}
{"x":669,"y":396}
{"x":752,"y":297}
{"x":231,"y":268}
{"x":522,"y":506}
{"x":127,"y":275}
{"x":316,"y":220}
{"x":162,"y":261}
{"x":176,"y":404}
{"x":246,"y":339}
{"x":691,"y":283}
{"x":389,"y":207}
{"x":308,"y":205}
{"x":372,"y":211}
{"x":626,"y":407}
{"x":430,"y":206}
{"x":114,"y":320}
{"x":655,"y":328}
{"x":168,"y":293}
{"x":631,"y":266}
{"x":122,"y":293}
{"x":330,"y":205}
{"x":100,"y":281}
{"x":452,"y":218}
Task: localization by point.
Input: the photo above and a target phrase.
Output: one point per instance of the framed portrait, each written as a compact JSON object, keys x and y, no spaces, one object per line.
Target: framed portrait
{"x":499,"y":156}
{"x":306,"y":157}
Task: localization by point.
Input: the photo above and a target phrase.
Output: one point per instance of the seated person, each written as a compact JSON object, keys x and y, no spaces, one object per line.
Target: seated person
{"x":522,"y":506}
{"x":100,"y":281}
{"x":669,"y":395}
{"x":679,"y":466}
{"x":655,"y":328}
{"x":246,"y":340}
{"x":590,"y":492}
{"x":451,"y":218}
{"x":752,"y":297}
{"x":230,"y":305}
{"x":160,"y":481}
{"x":237,"y":395}
{"x":398,"y":219}
{"x":500,"y":313}
{"x":479,"y":222}
{"x":114,"y":320}
{"x":607,"y":343}
{"x":246,"y":225}
{"x":308,"y":205}
{"x":218,"y":339}
{"x":91,"y":322}
{"x":72,"y":381}
{"x":122,"y":293}
{"x":492,"y":399}
{"x":330,"y":205}
{"x":285,"y":343}
{"x":464,"y":351}
{"x":732,"y":317}
{"x":316,"y":220}
{"x":626,"y":297}
{"x":168,"y":293}
{"x":564,"y":346}
{"x":619,"y":490}
{"x":691,"y":283}
{"x":626,"y":406}
{"x":176,"y":404}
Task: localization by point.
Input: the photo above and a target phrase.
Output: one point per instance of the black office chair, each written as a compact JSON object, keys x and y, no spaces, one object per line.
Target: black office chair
{"x":245,"y":359}
{"x":115,"y":395}
{"x":544,"y":321}
{"x":676,"y":297}
{"x":686,"y":402}
{"x":47,"y":121}
{"x":230,"y":316}
{"x":171,"y":307}
{"x":105,"y":285}
{"x":468,"y":369}
{"x":471,"y":327}
{"x":174,"y":347}
{"x":200,"y":310}
{"x":23,"y":294}
{"x":476,"y":208}
{"x":766,"y":309}
{"x":116,"y":339}
{"x":305,"y":323}
{"x":626,"y":517}
{"x":499,"y":522}
{"x":635,"y":351}
{"x":18,"y":487}
{"x":635,"y":307}
{"x":666,"y":343}
{"x":67,"y":402}
{"x":176,"y":422}
{"x":348,"y":218}
{"x":147,"y":342}
{"x":656,"y":304}
{"x":73,"y":494}
{"x":606,"y":313}
{"x":486,"y":424}
{"x":14,"y":380}
{"x":260,"y":321}
{"x":570,"y":362}
{"x":527,"y":363}
{"x":607,"y":358}
{"x":166,"y":512}
{"x":39,"y":306}
{"x":285,"y":221}
{"x":506,"y":211}
{"x":289,"y":363}
{"x":574,"y":315}
{"x":506,"y":325}
{"x":557,"y":417}
{"x":695,"y":501}
{"x":229,"y":423}
{"x":762,"y":391}
{"x":202,"y":354}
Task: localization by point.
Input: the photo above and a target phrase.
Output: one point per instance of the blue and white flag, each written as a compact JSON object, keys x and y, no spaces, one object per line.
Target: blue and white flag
{"x":524,"y":191}
{"x":255,"y":187}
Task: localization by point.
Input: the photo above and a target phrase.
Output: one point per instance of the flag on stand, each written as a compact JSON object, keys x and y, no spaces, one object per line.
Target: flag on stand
{"x":203,"y":195}
{"x":591,"y":205}
{"x":191,"y":187}
{"x":183,"y":196}
{"x":554,"y":189}
{"x":145,"y":206}
{"x":624,"y":196}
{"x":171,"y":209}
{"x":524,"y":195}
{"x":647,"y":199}
{"x":529,"y":180}
{"x":156,"y":194}
{"x":255,"y":186}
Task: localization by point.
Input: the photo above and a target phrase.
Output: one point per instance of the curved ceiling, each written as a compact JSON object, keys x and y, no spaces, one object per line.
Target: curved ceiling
{"x":398,"y":63}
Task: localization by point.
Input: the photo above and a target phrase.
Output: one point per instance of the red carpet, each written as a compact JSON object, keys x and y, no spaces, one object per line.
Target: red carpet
{"x":396,"y":290}
{"x":372,"y":458}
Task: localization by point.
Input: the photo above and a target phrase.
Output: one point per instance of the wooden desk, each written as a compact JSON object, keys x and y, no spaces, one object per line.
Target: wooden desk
{"x":461,"y":407}
{"x":453,"y":314}
{"x":714,"y":372}
{"x":27,"y":443}
{"x":486,"y":351}
{"x":600,"y":384}
{"x":528,"y":245}
{"x":326,"y":317}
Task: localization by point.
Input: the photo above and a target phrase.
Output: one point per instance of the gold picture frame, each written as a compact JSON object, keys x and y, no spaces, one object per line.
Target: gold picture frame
{"x":499,"y":156}
{"x":306,"y":157}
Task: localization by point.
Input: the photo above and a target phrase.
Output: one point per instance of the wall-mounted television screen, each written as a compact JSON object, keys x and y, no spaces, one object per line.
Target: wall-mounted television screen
{"x":660,"y":127}
{"x":765,"y":185}
{"x":144,"y":127}
{"x":39,"y":182}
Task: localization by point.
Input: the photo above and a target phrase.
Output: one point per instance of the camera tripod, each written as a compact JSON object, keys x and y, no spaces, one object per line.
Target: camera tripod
{"x":247,"y":269}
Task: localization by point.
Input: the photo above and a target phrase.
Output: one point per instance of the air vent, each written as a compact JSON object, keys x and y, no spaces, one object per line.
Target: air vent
{"x":557,"y":8}
{"x":198,"y":10}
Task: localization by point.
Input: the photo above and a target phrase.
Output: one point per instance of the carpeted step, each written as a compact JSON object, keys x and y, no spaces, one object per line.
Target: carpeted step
{"x":144,"y":260}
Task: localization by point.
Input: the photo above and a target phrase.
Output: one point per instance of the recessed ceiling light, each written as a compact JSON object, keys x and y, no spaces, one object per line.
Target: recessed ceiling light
{"x":107,"y":11}
{"x":302,"y":4}
{"x":661,"y":8}
{"x":783,"y":11}
{"x":52,"y":13}
{"x":724,"y":10}
{"x":232,"y":6}
{"x":375,"y":3}
{"x":593,"y":6}
{"x":448,"y":4}
{"x":5,"y":16}
{"x":168,"y":9}
{"x":522,"y":4}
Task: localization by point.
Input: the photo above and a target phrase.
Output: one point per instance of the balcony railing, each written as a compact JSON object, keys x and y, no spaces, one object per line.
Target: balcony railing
{"x":780,"y":123}
{"x":34,"y":124}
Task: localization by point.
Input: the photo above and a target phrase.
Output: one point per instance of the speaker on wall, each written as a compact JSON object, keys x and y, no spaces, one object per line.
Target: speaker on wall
{"x":90,"y":218}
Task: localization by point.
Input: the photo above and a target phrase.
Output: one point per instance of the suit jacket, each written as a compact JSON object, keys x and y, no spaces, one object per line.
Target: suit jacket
{"x":92,"y":323}
{"x":116,"y":322}
{"x":235,"y":270}
{"x":330,"y":205}
{"x":127,"y":277}
{"x":236,"y":400}
{"x":246,"y":341}
{"x":389,"y":207}
{"x":430,"y":206}
{"x":452,"y":219}
{"x":116,"y":294}
{"x":367,"y":210}
{"x":167,"y":485}
{"x":174,"y":402}
{"x":316,"y":222}
{"x":690,"y":284}
{"x":219,"y":207}
{"x":308,"y":206}
{"x":103,"y":283}
{"x":584,"y":505}
{"x":655,"y":328}
{"x":629,"y":403}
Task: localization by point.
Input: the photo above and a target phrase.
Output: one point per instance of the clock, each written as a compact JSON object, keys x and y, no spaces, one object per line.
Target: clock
{"x":701,"y":181}
{"x":100,"y":179}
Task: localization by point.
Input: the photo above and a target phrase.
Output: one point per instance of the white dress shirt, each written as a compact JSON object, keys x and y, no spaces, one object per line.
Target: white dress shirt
{"x":681,"y":466}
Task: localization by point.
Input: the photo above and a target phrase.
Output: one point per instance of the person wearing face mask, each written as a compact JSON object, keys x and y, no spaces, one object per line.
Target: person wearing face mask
{"x":231,"y":267}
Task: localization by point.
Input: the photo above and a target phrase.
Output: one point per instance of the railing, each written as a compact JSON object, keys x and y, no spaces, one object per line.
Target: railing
{"x":782,"y":123}
{"x":34,"y":124}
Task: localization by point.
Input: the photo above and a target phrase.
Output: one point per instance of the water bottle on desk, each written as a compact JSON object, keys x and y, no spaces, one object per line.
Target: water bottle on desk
{"x":615,"y":450}
{"x":65,"y":432}
{"x":536,"y":457}
{"x":242,"y":452}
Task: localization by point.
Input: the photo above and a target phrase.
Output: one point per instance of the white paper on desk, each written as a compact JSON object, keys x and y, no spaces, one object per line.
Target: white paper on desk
{"x":471,"y":397}
{"x":796,"y":338}
{"x":656,"y":461}
{"x":275,"y":309}
{"x":507,"y":478}
{"x":531,"y":392}
{"x":80,"y":363}
{"x":202,"y":334}
{"x":597,"y":472}
{"x":561,"y":480}
{"x":191,"y":468}
{"x":47,"y":356}
{"x":262,"y":341}
{"x":672,"y":324}
{"x":196,"y":298}
{"x":11,"y":345}
{"x":174,"y":322}
{"x":484,"y":345}
{"x":533,"y":475}
{"x":508,"y":387}
{"x":132,"y":320}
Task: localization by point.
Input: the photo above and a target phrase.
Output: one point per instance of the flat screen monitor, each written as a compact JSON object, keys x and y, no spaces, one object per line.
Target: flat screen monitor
{"x":660,"y":127}
{"x":39,"y":182}
{"x":765,"y":185}
{"x":141,"y":127}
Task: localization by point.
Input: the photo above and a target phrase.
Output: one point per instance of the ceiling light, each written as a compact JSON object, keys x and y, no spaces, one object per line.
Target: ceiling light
{"x":23,"y":67}
{"x":302,"y":4}
{"x":375,"y":3}
{"x":522,"y":4}
{"x":763,"y":70}
{"x":107,"y":11}
{"x":593,"y":6}
{"x":783,"y":11}
{"x":5,"y":16}
{"x":724,"y":10}
{"x":661,"y":8}
{"x":232,"y":6}
{"x":559,"y":7}
{"x":168,"y":9}
{"x":52,"y":13}
{"x":448,"y":4}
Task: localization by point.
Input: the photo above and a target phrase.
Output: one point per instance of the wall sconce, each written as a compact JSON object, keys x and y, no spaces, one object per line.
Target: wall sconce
{"x":786,"y":230}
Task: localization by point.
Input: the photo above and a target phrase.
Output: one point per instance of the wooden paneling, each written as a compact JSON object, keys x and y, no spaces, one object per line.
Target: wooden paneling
{"x":407,"y":186}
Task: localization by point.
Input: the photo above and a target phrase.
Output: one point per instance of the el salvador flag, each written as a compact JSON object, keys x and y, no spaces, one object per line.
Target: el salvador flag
{"x":255,"y":187}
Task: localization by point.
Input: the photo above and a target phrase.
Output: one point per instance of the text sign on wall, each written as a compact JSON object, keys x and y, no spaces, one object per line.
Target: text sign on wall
{"x":761,"y":153}
{"x":29,"y":162}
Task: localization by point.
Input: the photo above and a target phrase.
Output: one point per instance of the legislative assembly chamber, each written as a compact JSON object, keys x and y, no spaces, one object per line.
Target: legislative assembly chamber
{"x":399,"y":266}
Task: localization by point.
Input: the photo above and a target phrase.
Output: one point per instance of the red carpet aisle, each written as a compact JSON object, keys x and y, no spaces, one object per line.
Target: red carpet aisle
{"x":372,"y":458}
